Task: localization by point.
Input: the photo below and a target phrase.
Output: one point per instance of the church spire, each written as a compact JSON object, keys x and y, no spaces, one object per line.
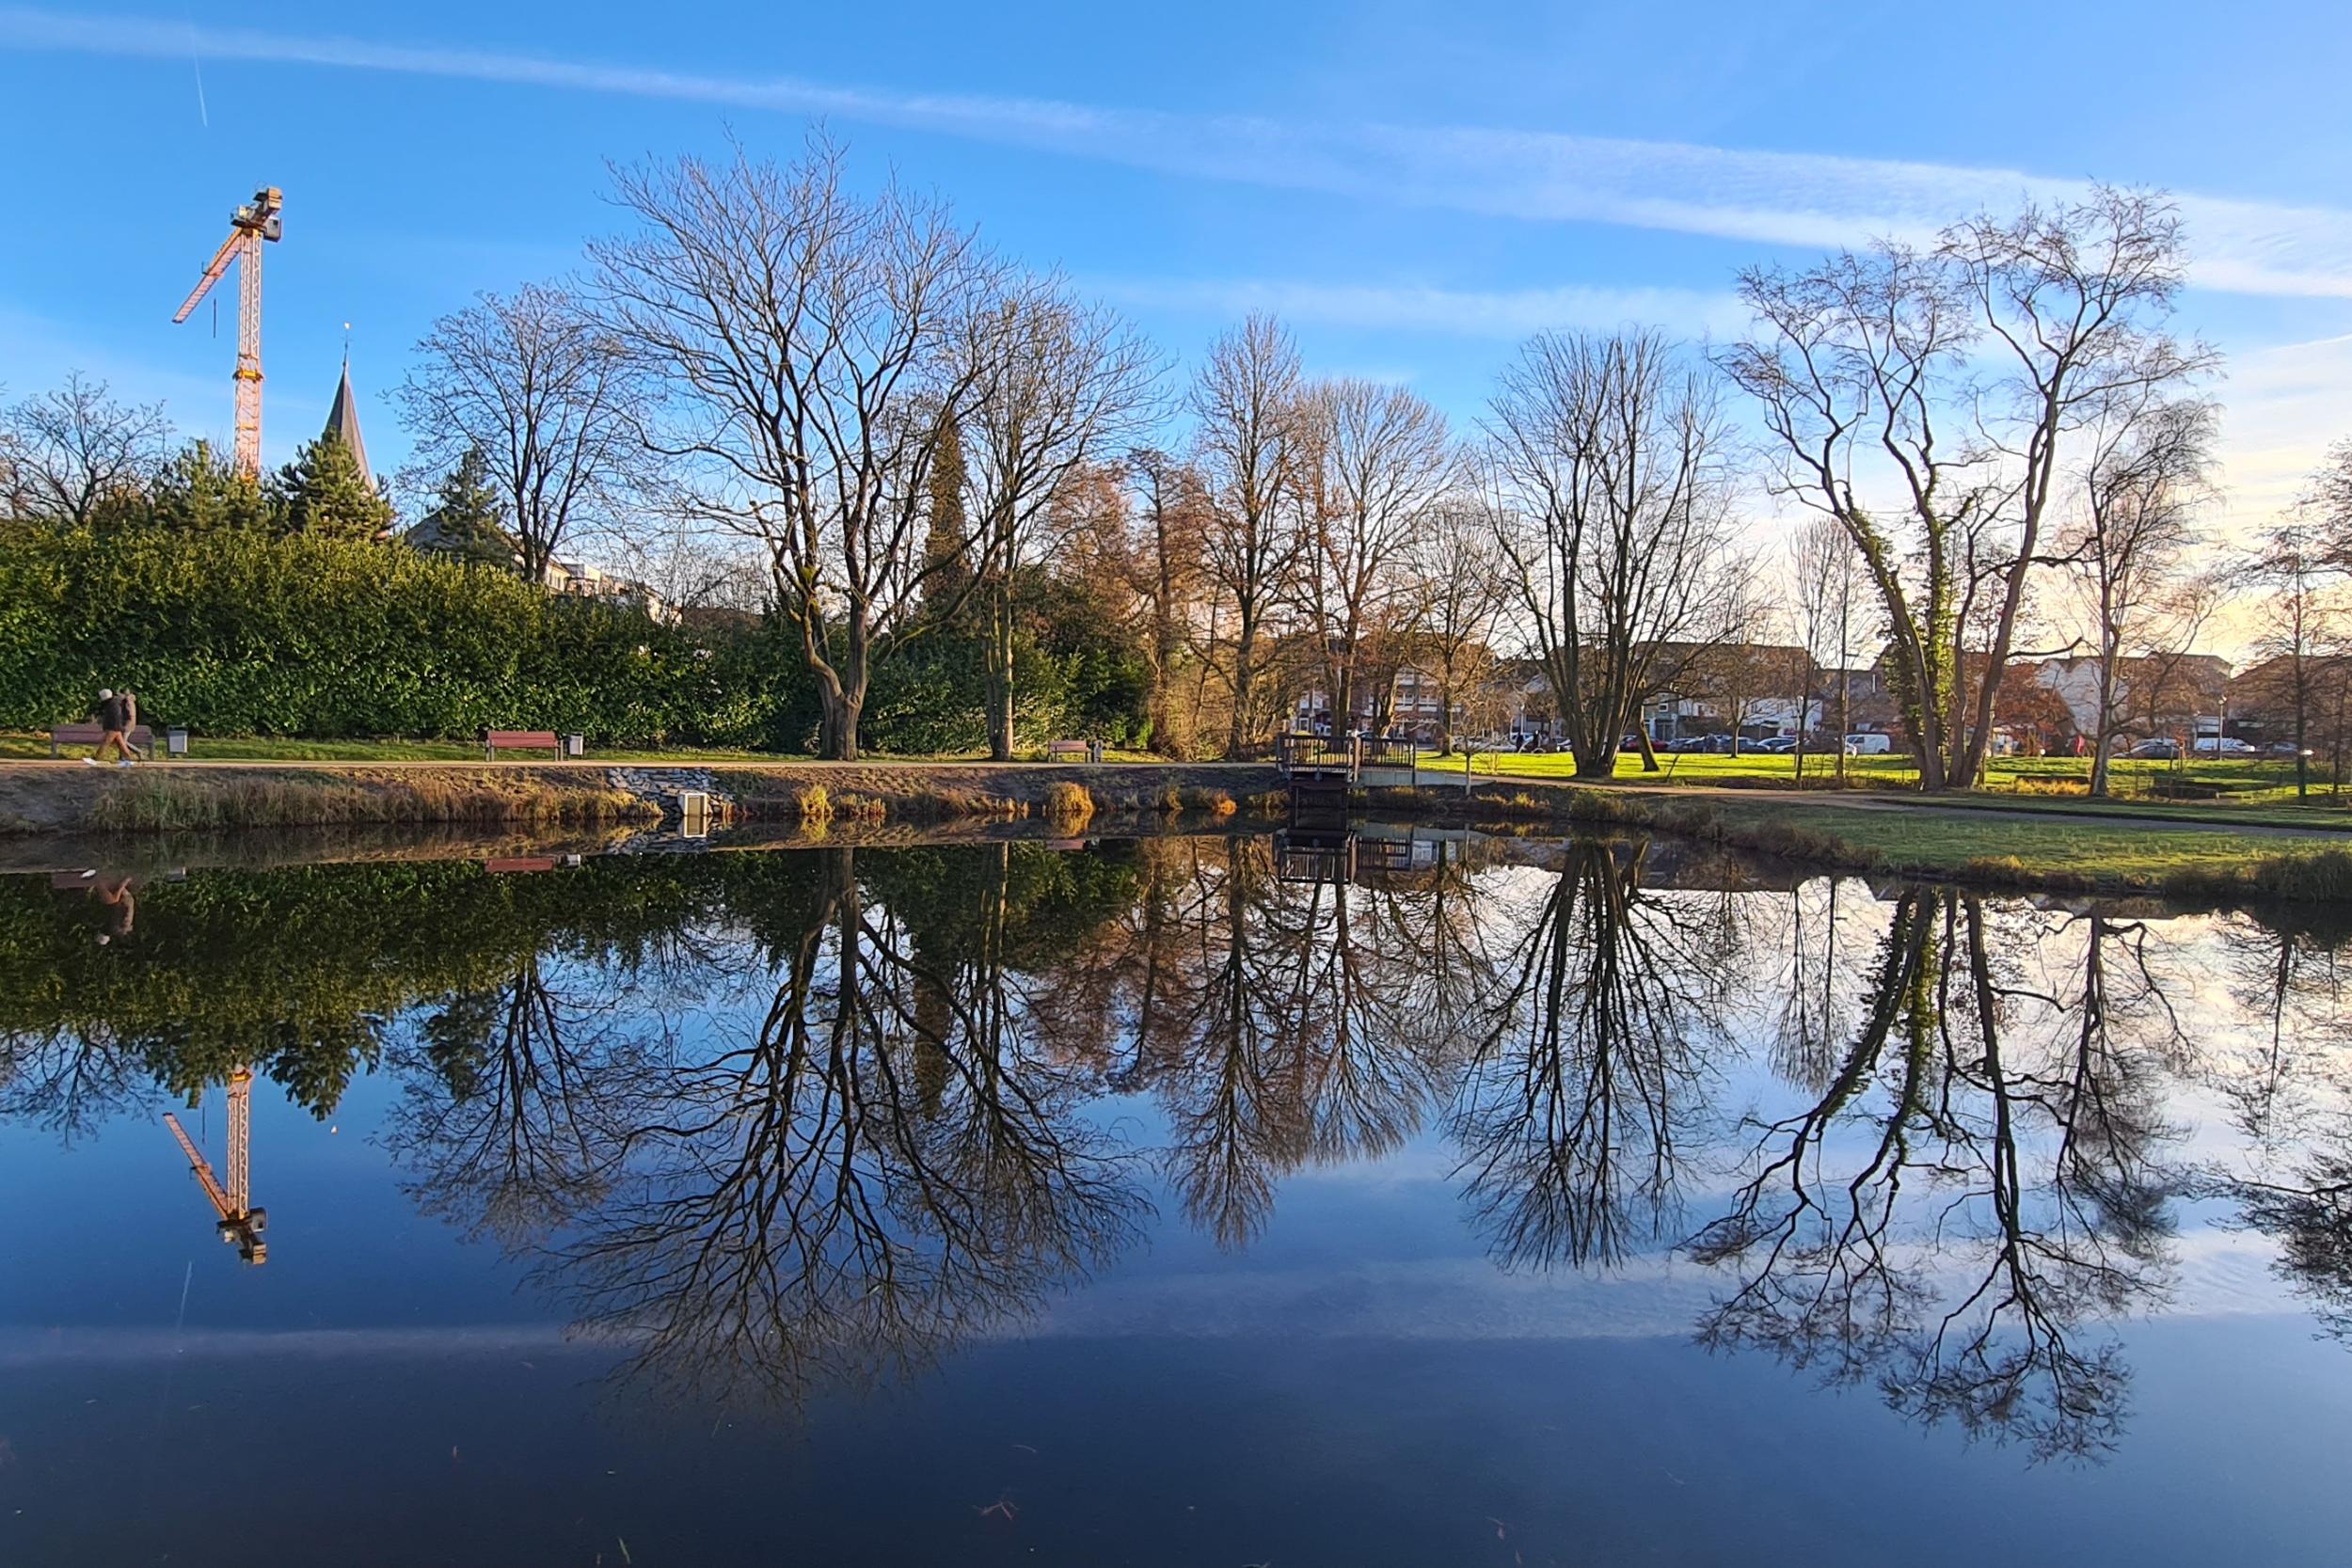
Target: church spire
{"x":343,"y":420}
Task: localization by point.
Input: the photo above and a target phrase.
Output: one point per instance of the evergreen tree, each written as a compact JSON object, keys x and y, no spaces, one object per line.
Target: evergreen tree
{"x":198,"y":492}
{"x":949,"y":536}
{"x":324,"y":492}
{"x":467,"y":522}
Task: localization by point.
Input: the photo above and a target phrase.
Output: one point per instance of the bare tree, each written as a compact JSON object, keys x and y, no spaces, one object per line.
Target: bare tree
{"x":1055,"y":386}
{"x":1828,"y":576}
{"x":1863,"y":363}
{"x":2148,"y":477}
{"x":1458,"y":589}
{"x":1612,"y":455}
{"x":1165,"y":569}
{"x":547,"y":394}
{"x":2328,"y":502}
{"x":2302,"y":622}
{"x":811,"y":341}
{"x":67,"y":455}
{"x":1246,"y":402}
{"x":1385,"y":460}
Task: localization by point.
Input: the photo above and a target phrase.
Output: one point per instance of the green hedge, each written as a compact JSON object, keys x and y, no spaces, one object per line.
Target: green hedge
{"x":243,"y":633}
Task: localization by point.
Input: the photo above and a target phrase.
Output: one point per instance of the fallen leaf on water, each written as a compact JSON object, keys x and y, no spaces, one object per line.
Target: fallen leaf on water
{"x":453,"y":1453}
{"x":624,"y":1557}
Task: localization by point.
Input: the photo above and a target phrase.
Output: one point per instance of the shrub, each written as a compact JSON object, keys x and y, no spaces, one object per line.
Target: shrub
{"x":2325,"y":874}
{"x":1068,"y":804}
{"x":1211,"y":803}
{"x":814,"y":802}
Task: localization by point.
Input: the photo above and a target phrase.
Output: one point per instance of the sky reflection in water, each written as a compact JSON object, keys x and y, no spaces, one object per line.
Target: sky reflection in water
{"x":1498,"y":1202}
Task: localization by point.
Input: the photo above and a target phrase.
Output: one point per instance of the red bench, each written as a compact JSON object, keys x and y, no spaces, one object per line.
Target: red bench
{"x":521,"y":740}
{"x":142,"y":738}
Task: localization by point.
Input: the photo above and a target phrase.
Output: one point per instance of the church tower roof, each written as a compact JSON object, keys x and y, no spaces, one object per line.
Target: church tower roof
{"x":343,"y":423}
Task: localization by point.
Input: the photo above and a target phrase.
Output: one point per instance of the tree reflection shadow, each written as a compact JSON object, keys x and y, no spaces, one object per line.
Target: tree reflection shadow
{"x":879,"y":1170}
{"x":1949,"y":1213}
{"x":1585,"y":1086}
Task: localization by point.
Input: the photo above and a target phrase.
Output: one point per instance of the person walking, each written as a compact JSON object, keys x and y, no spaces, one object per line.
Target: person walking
{"x":113,"y":718}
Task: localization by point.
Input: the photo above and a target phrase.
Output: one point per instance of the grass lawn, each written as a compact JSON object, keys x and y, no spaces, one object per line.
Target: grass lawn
{"x":1944,"y":843}
{"x":249,"y":749}
{"x":2039,"y":780}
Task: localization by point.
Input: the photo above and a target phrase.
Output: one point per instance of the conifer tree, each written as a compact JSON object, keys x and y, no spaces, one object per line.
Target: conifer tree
{"x":948,"y":572}
{"x":467,"y":522}
{"x":198,"y":492}
{"x":325,"y":491}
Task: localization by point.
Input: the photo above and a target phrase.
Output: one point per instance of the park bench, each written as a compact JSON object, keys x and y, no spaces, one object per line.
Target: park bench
{"x":1084,"y":750}
{"x":522,"y":740}
{"x":2186,"y":789}
{"x":141,"y":738}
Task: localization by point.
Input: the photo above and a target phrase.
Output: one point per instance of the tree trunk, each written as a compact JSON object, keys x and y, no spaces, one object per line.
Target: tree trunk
{"x":1244,"y":654}
{"x":1000,"y":673}
{"x":841,"y":702}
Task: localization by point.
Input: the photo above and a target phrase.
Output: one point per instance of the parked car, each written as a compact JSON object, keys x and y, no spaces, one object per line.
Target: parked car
{"x":1869,"y":744}
{"x":2223,"y":746}
{"x":1778,"y":745}
{"x":2284,"y":749}
{"x":2156,"y":750}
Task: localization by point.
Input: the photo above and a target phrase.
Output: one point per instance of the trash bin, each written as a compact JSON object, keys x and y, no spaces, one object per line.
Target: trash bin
{"x":176,"y":742}
{"x":575,"y":745}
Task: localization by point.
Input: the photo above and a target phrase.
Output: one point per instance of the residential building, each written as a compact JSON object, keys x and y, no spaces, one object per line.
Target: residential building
{"x":2165,"y":694}
{"x":578,"y":580}
{"x":1414,"y":708}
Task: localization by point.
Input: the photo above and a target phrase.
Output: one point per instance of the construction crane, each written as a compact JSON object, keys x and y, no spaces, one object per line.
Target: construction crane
{"x":241,"y":1223}
{"x":248,"y":225}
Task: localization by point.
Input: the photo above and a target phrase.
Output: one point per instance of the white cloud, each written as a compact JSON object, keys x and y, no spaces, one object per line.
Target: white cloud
{"x":1509,"y":313}
{"x":1777,"y":198}
{"x":2282,"y":407}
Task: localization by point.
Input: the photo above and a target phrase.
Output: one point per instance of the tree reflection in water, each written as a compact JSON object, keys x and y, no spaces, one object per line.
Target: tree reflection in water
{"x":1979,"y":1180}
{"x":881,"y":1168}
{"x":1585,"y":1088}
{"x":778,"y":1122}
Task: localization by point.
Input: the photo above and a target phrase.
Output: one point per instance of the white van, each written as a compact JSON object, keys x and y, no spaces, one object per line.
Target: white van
{"x":1869,"y":744}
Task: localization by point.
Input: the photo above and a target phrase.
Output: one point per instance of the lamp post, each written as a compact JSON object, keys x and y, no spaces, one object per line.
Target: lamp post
{"x":2303,"y":774}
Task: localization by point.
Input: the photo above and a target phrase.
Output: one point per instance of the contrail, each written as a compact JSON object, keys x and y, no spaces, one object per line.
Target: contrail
{"x":196,"y":60}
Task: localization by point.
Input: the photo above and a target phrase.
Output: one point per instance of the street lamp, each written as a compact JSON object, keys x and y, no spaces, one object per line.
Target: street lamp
{"x":2303,"y":774}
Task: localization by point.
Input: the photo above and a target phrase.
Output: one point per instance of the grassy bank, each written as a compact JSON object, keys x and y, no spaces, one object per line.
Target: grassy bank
{"x":2050,"y":853}
{"x":173,"y":799}
{"x":25,"y":746}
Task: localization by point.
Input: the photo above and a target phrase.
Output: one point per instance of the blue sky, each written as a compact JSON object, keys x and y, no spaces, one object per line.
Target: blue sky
{"x":1414,"y":187}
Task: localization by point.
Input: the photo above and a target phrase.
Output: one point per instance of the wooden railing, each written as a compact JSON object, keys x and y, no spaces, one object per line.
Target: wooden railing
{"x":1347,"y":755}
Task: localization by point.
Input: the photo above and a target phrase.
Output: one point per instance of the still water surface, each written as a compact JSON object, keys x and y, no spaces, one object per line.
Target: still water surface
{"x":1168,"y":1202}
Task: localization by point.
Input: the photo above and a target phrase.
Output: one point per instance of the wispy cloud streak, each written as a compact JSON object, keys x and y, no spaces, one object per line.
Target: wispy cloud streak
{"x":1773,"y":197}
{"x":1503,"y":313}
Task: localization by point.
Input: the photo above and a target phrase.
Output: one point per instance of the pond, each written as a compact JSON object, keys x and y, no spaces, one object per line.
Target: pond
{"x":1190,"y":1200}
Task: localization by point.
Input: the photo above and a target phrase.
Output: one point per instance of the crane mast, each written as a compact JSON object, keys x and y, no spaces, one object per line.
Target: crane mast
{"x":251,"y":224}
{"x":241,"y":1223}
